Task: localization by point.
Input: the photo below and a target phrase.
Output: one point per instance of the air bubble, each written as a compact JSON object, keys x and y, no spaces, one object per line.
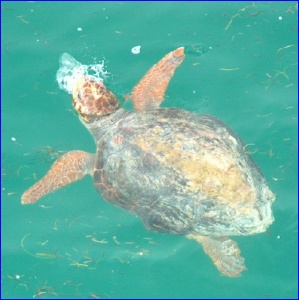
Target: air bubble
{"x":70,"y":70}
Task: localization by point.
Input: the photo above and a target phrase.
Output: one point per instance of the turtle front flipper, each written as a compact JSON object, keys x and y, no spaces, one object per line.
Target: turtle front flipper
{"x":224,"y":252}
{"x":149,"y":92}
{"x":71,"y":167}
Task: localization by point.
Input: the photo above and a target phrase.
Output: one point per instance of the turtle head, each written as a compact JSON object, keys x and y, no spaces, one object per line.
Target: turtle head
{"x":92,"y":100}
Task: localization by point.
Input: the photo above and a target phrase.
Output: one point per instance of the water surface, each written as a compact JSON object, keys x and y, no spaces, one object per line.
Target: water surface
{"x":74,"y":244}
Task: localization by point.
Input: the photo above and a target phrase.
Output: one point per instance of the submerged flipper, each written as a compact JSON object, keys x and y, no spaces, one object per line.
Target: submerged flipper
{"x":224,"y":253}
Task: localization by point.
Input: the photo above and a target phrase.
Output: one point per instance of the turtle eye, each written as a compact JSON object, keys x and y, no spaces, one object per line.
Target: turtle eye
{"x":79,"y":96}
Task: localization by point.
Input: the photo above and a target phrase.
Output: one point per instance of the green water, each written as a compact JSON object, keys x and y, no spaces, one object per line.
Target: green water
{"x":72,"y":243}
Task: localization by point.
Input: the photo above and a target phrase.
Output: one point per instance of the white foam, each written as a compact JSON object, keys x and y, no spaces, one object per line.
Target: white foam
{"x":70,"y":70}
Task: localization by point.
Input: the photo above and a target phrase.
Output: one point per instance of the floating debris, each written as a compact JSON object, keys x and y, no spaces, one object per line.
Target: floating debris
{"x":136,"y":49}
{"x":196,"y":50}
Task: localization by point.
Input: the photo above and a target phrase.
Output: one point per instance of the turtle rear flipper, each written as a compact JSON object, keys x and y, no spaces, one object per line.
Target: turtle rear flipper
{"x":224,"y":252}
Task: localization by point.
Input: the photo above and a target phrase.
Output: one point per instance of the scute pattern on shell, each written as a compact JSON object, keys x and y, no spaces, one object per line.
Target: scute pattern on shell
{"x":181,"y":172}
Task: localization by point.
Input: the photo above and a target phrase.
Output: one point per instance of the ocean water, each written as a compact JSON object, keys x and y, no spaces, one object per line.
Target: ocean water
{"x":73,"y":244}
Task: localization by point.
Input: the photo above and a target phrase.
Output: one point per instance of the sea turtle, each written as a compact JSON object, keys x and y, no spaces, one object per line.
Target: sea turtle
{"x":181,"y":173}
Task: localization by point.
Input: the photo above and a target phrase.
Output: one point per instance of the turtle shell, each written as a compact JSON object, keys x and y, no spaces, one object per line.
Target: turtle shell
{"x":180,"y":173}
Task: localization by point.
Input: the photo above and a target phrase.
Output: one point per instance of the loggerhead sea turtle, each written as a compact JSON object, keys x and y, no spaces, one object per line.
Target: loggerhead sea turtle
{"x":181,"y":173}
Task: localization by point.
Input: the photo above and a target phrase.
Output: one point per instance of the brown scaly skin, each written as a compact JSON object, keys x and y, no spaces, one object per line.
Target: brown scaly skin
{"x":149,"y":92}
{"x":181,"y":173}
{"x":93,"y":100}
{"x":69,"y":168}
